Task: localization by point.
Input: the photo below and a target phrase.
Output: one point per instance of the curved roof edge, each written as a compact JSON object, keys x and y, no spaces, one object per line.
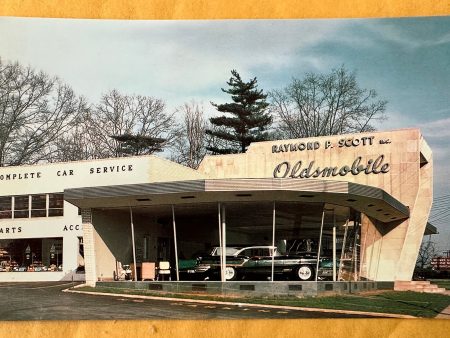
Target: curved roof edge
{"x":372,"y":201}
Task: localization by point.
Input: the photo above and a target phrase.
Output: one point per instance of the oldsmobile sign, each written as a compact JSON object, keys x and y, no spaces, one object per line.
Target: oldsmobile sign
{"x":308,"y":170}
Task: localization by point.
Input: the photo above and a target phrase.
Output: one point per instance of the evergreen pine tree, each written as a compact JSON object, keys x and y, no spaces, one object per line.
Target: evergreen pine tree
{"x":248,"y":121}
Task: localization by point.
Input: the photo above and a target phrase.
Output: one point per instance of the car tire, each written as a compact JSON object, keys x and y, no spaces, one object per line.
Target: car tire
{"x":304,"y":273}
{"x":230,"y":273}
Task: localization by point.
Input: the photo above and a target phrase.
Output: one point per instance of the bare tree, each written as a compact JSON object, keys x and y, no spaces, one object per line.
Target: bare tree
{"x":426,"y":252}
{"x":79,"y":143}
{"x":325,"y":104}
{"x":35,"y":110}
{"x":190,"y":146}
{"x":136,"y":116}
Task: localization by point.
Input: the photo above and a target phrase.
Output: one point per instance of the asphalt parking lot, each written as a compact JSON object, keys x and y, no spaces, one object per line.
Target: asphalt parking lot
{"x":46,"y":301}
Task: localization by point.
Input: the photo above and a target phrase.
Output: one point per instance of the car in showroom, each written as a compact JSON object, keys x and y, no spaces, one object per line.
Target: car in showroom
{"x":189,"y":268}
{"x":255,"y":262}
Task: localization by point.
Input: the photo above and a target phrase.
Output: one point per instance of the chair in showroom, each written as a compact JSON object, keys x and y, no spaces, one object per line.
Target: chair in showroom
{"x":164,"y":270}
{"x":148,"y":271}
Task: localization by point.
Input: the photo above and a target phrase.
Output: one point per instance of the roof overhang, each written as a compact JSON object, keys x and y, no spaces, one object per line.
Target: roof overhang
{"x":430,"y":229}
{"x":372,"y":201}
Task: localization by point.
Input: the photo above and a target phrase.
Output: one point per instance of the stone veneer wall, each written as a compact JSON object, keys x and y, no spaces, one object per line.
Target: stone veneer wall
{"x":371,"y":239}
{"x":89,"y":249}
{"x":420,"y":211}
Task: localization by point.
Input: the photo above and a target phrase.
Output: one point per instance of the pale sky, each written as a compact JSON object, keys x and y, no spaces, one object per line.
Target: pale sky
{"x":407,"y":61}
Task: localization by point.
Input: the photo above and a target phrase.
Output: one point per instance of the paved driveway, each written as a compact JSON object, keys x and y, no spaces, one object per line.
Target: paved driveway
{"x":46,"y":301}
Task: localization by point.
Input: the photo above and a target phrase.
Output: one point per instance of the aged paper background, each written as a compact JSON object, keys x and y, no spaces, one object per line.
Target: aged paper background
{"x":204,"y":9}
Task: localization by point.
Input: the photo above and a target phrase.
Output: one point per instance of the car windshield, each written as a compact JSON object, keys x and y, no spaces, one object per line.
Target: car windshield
{"x":229,"y":251}
{"x":258,"y":252}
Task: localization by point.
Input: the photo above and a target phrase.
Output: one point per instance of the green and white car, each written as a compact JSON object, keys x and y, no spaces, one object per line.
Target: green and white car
{"x":256,"y":262}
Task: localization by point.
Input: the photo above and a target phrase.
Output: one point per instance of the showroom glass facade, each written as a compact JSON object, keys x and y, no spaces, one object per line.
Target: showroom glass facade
{"x":330,"y":235}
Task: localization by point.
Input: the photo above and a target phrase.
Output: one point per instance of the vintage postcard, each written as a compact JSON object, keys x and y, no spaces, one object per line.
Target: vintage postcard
{"x":227,"y":169}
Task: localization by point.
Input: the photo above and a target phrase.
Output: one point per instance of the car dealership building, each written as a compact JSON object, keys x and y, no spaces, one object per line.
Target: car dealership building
{"x":362,"y":200}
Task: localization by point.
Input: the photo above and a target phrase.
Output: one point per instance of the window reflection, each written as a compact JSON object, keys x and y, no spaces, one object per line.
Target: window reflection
{"x":5,"y":207}
{"x":55,"y":204}
{"x":25,"y":206}
{"x":21,"y":206}
{"x":38,"y":205}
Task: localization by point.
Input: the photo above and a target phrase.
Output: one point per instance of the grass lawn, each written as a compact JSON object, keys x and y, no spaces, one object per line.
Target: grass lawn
{"x":407,"y":303}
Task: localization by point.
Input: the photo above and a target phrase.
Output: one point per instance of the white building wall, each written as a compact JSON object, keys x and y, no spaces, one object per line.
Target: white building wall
{"x":55,"y":178}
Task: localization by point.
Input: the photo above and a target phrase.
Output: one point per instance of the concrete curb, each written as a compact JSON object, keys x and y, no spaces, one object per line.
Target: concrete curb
{"x":76,"y":287}
{"x":445,"y":314}
{"x":279,"y":307}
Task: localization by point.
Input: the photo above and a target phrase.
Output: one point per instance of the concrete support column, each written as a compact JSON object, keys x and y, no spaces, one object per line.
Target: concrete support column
{"x":334,"y":246}
{"x":89,"y":248}
{"x":133,"y":245}
{"x":219,"y":216}
{"x":320,"y":244}
{"x":274,"y":215}
{"x":175,"y":243}
{"x":224,"y":243}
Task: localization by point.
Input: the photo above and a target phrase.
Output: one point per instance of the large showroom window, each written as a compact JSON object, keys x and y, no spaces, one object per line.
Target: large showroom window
{"x":264,"y":240}
{"x":31,"y":255}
